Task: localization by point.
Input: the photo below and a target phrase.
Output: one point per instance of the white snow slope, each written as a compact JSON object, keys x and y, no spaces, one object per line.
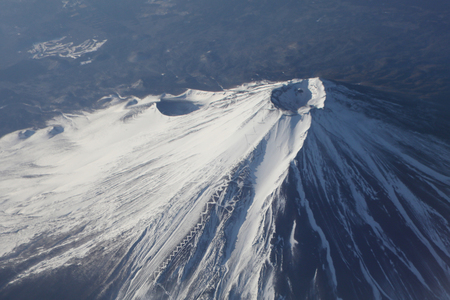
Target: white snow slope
{"x":126,"y":169}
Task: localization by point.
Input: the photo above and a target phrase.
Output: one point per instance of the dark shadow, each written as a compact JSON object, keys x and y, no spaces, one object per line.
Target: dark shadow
{"x":131,"y":103}
{"x":57,"y":129}
{"x":23,"y":135}
{"x":176,"y":107}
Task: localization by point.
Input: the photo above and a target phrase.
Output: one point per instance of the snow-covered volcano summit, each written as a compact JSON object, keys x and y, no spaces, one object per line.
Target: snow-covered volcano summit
{"x":263,"y":191}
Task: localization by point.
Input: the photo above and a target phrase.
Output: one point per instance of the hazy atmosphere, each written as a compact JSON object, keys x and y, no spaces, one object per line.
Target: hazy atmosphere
{"x":206,"y":149}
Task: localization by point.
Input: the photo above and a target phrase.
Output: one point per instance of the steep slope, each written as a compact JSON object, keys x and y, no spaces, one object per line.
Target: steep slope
{"x":371,"y":206}
{"x":263,"y":191}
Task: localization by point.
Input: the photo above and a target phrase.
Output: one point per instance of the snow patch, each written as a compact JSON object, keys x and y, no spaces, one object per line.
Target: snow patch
{"x":58,"y":48}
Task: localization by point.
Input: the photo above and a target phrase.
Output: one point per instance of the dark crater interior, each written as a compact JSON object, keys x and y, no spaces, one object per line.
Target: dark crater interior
{"x":291,"y":97}
{"x":176,"y":107}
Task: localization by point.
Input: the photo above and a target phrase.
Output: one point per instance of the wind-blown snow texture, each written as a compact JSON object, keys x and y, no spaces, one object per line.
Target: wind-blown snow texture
{"x":294,"y":190}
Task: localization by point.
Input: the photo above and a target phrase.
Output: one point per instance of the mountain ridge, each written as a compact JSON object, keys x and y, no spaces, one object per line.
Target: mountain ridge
{"x":290,"y":189}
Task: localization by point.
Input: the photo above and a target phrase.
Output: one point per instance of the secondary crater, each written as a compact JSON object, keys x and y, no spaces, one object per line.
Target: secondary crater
{"x":171,"y":107}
